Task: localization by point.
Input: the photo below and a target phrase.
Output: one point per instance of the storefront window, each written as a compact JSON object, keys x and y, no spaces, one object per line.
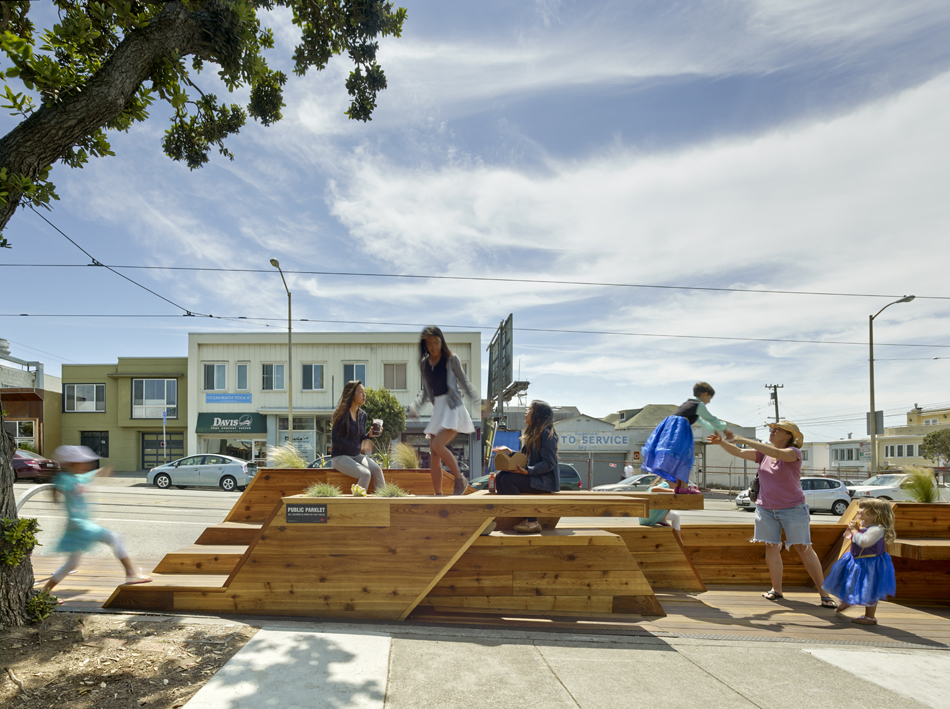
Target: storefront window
{"x":22,"y":432}
{"x":240,"y":448}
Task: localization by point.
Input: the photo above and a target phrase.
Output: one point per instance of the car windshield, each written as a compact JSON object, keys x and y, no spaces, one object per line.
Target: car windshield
{"x":883,"y":480}
{"x":23,"y":453}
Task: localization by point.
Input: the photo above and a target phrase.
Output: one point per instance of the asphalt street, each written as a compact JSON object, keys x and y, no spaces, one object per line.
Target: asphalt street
{"x":153,"y":522}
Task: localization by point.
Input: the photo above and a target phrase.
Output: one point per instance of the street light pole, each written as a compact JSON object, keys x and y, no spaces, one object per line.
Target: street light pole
{"x":290,"y":362}
{"x":873,"y":421}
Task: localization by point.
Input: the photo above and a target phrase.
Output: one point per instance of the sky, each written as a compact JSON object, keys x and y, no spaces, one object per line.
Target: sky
{"x":658,"y":148}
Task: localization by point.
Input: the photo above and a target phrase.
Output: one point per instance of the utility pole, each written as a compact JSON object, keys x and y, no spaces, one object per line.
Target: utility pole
{"x":774,"y":397}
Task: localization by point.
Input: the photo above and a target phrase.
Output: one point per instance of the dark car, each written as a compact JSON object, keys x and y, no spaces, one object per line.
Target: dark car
{"x":570,"y":479}
{"x":32,"y":466}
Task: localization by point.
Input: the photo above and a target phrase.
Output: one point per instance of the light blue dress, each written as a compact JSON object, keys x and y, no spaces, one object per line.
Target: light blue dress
{"x":81,"y":533}
{"x":656,"y":516}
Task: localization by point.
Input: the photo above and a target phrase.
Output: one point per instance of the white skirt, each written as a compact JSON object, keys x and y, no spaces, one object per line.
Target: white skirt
{"x":445,"y":418}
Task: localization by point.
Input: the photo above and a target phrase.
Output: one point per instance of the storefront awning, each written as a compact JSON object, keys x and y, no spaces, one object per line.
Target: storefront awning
{"x":231,"y":423}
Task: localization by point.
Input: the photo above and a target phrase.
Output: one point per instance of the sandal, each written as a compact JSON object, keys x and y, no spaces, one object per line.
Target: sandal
{"x":829,"y":602}
{"x":864,"y":620}
{"x":773,"y":595}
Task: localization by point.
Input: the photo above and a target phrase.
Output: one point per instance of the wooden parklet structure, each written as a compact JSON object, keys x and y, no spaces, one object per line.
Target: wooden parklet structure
{"x":281,"y":553}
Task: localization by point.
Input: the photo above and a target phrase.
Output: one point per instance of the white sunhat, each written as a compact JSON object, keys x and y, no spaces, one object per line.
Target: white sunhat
{"x":75,"y":454}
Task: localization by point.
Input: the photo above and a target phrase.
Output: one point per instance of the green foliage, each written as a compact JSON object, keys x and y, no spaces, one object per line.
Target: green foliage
{"x":406,"y":457}
{"x":381,"y":404}
{"x":322,"y":490}
{"x":390,"y":490}
{"x":41,"y":606}
{"x":936,"y":445}
{"x":922,"y":485}
{"x":286,"y":456}
{"x":383,"y":456}
{"x":24,"y":446}
{"x":18,"y":540}
{"x":357,"y":490}
{"x":65,"y":60}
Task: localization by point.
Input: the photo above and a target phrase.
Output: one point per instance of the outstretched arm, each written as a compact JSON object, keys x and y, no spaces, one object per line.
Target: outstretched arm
{"x":786,"y":454}
{"x":731,"y":448}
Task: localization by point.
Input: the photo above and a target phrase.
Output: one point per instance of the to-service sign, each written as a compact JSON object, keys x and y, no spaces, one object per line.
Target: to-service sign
{"x":593,"y":441}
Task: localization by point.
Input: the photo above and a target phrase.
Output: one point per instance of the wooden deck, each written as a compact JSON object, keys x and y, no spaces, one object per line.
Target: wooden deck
{"x":728,"y":612}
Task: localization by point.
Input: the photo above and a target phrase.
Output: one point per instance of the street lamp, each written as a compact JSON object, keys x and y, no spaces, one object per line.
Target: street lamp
{"x":290,"y":362}
{"x":873,"y":422}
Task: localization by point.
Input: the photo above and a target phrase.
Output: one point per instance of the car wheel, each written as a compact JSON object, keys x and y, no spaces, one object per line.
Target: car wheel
{"x":885,"y":497}
{"x":228,"y":483}
{"x":162,"y":481}
{"x":839,"y":508}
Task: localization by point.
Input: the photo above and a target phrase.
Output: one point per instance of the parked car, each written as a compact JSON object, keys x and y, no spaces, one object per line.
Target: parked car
{"x":636,"y":483}
{"x":570,"y":479}
{"x":204,"y":471}
{"x":821,"y":495}
{"x":322,"y":462}
{"x":891,"y":486}
{"x":480,"y":483}
{"x":32,"y":466}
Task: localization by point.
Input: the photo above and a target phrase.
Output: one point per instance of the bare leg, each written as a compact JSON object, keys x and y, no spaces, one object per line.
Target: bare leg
{"x":869,"y":611}
{"x":812,"y":566}
{"x":773,"y":559}
{"x":439,"y":452}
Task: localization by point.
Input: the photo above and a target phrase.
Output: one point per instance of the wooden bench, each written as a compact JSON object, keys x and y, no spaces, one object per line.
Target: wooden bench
{"x":380,"y":557}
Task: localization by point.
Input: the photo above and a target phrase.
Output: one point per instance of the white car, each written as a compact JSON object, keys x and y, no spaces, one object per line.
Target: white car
{"x":204,"y":471}
{"x":821,"y":495}
{"x":891,"y":486}
{"x":636,"y":483}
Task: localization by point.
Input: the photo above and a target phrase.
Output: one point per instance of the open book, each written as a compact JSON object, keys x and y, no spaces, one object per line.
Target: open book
{"x":504,"y":461}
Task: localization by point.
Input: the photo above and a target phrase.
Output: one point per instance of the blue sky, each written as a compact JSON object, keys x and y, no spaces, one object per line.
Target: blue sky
{"x":794,"y":145}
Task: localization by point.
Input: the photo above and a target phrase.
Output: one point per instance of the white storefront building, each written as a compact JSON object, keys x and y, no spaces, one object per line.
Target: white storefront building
{"x":238,"y":388}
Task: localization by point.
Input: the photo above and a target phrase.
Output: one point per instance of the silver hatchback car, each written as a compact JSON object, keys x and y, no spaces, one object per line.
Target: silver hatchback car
{"x":821,"y":495}
{"x":207,"y":470}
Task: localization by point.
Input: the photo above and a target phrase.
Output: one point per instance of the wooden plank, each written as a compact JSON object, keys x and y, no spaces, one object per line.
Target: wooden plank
{"x":920,"y":549}
{"x":473,"y":583}
{"x":553,"y":537}
{"x":593,"y":604}
{"x":341,"y":511}
{"x":913,"y":519}
{"x":627,"y":582}
{"x":545,"y":558}
{"x":662,"y":558}
{"x":230,"y":533}
{"x":202,"y":559}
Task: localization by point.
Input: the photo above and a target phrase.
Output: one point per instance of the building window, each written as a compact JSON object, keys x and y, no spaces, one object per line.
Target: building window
{"x":150,"y":397}
{"x":215,"y":377}
{"x":22,"y":432}
{"x":313,"y":377}
{"x":805,"y":456}
{"x":910,"y":450}
{"x":394,"y":376}
{"x":900,"y":451}
{"x":354,"y":371}
{"x":242,"y":378}
{"x":85,"y":398}
{"x":98,"y":441}
{"x":930,"y":422}
{"x":272,"y":377}
{"x":850,"y":453}
{"x":888,"y":451}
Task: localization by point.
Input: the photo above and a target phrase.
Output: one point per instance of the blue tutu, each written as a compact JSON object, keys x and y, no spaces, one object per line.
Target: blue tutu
{"x":862,"y":582}
{"x":669,"y":451}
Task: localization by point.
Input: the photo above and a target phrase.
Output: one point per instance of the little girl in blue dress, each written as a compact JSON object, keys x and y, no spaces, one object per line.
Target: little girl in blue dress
{"x":866,"y":574}
{"x":669,"y":451}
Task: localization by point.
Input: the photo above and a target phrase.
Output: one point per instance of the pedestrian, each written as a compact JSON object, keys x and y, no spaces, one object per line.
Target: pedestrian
{"x":780,"y":505}
{"x":349,"y":436}
{"x":78,"y":470}
{"x":866,"y":575}
{"x":627,"y":469}
{"x":442,"y":375}
{"x":669,"y":451}
{"x":539,"y":445}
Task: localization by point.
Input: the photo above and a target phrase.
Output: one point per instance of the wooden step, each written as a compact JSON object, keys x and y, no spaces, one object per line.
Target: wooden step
{"x":159,"y":595}
{"x":920,"y":549}
{"x":547,"y":537}
{"x":202,"y":559}
{"x":230,"y":533}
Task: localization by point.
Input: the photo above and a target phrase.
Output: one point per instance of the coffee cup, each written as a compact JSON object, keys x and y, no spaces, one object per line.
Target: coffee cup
{"x":377,"y":426}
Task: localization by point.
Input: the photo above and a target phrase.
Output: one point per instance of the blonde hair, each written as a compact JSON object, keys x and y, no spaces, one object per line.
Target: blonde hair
{"x":881,"y":514}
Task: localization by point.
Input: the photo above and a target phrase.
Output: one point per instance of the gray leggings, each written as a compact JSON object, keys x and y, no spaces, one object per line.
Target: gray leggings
{"x":361,"y":467}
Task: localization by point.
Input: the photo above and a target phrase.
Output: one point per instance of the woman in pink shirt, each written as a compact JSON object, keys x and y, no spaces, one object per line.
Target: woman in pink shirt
{"x":780,"y":505}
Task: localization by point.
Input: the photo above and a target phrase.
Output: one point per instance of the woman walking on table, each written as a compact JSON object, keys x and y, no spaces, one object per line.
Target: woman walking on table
{"x":442,"y":375}
{"x":780,"y":505}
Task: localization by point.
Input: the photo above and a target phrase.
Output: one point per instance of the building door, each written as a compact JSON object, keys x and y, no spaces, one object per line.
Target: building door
{"x":152,"y":452}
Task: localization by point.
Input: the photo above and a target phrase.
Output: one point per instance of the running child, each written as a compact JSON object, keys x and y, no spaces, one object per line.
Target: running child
{"x":81,"y":533}
{"x":866,"y":575}
{"x":669,"y":451}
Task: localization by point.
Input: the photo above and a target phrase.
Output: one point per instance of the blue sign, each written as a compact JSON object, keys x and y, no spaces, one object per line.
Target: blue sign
{"x":164,"y":416}
{"x":227,"y":398}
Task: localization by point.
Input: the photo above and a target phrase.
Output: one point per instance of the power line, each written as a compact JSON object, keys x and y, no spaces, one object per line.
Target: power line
{"x":560,"y":331}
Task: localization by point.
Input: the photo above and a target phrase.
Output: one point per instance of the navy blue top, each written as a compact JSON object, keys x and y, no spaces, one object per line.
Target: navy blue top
{"x":542,"y":463}
{"x":349,"y":442}
{"x":688,"y":411}
{"x":438,"y":378}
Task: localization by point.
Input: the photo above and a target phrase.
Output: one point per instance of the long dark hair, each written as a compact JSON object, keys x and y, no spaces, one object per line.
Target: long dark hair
{"x":542,"y":417}
{"x":433,"y":331}
{"x":342,"y":412}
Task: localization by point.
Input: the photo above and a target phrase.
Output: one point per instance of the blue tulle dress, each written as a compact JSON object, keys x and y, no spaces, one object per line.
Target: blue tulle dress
{"x":669,"y":451}
{"x":864,"y":576}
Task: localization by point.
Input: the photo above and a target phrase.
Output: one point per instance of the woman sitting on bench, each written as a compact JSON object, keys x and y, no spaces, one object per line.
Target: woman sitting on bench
{"x":539,"y":444}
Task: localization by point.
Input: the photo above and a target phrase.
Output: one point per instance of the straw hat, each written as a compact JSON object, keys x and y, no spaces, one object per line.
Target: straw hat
{"x":797,"y":437}
{"x":75,"y":454}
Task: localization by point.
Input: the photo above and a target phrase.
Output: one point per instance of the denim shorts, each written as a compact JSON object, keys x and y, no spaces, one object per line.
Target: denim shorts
{"x":794,"y":520}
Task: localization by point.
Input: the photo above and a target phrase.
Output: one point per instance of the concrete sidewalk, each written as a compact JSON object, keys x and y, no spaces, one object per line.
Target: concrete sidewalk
{"x":313,"y":665}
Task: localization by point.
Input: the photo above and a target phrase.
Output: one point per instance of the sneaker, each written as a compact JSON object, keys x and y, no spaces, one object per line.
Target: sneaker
{"x":461,"y":485}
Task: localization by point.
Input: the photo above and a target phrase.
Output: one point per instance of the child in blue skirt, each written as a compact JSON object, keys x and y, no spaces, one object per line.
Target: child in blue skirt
{"x":669,"y":451}
{"x":866,"y":574}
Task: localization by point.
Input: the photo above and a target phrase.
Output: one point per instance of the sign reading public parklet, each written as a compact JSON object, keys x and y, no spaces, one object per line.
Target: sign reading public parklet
{"x":307,"y":514}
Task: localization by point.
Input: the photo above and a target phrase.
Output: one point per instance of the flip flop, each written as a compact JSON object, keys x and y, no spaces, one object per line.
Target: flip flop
{"x":864,"y":620}
{"x":828,"y":602}
{"x":773,"y":596}
{"x":138,"y":579}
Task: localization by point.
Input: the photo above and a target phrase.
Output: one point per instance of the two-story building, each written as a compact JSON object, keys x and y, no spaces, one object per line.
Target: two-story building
{"x":131,"y":413}
{"x":240,"y":402}
{"x":30,"y":399}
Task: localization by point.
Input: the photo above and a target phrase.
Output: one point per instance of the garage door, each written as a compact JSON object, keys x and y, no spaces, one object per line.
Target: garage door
{"x":153,"y":453}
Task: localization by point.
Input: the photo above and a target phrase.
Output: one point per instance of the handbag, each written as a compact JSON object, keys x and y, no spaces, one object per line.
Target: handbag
{"x":754,"y":489}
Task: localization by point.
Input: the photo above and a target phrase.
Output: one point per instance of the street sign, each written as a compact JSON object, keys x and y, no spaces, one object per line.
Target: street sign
{"x":164,"y":416}
{"x":878,"y":423}
{"x":500,"y":357}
